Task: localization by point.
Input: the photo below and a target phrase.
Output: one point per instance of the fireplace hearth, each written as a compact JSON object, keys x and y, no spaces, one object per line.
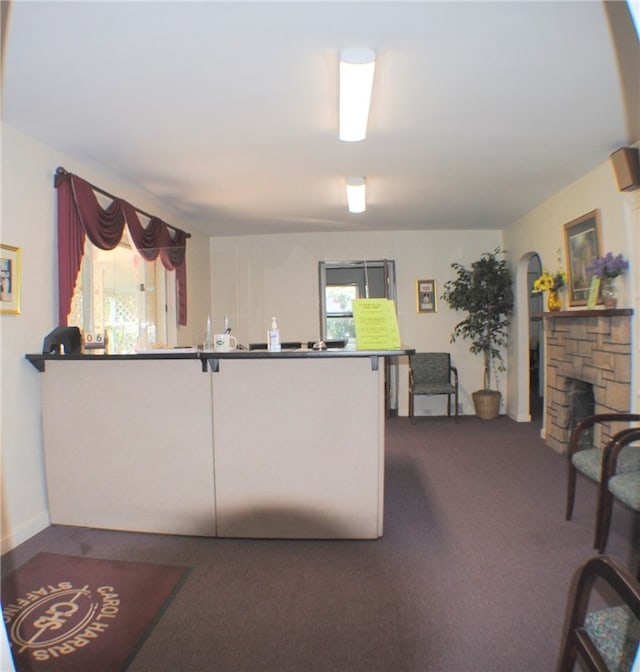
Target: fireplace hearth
{"x":582,"y":404}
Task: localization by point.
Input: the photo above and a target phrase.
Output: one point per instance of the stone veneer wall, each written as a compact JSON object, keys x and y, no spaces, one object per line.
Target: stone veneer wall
{"x":593,"y":346}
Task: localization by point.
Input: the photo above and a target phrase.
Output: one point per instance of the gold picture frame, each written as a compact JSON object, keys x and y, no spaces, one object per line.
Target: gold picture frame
{"x":582,"y":243}
{"x":10,"y":279}
{"x":426,"y":295}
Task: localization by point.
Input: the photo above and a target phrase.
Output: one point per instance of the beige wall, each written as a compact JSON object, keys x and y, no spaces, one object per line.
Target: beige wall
{"x":542,"y":231}
{"x":29,"y":222}
{"x":255,"y":277}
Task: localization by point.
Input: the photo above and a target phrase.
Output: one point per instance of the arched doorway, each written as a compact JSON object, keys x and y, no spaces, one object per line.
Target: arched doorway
{"x":536,"y":343}
{"x":529,"y":379}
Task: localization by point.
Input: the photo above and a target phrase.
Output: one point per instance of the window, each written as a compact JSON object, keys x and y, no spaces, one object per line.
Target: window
{"x":105,"y":302}
{"x":339,"y":312}
{"x":120,"y":296}
{"x":341,"y":282}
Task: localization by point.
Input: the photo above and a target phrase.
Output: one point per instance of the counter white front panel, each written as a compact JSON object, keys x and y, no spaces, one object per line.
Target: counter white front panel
{"x":128,"y":445}
{"x":299,"y":448}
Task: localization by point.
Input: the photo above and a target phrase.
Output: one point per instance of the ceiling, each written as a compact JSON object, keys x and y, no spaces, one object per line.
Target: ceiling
{"x":227,"y":111}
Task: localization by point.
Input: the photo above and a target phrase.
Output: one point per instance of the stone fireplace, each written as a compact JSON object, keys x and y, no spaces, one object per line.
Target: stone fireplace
{"x":589,"y":348}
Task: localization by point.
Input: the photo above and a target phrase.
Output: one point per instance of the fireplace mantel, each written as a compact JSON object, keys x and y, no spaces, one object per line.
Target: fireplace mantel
{"x":598,"y":312}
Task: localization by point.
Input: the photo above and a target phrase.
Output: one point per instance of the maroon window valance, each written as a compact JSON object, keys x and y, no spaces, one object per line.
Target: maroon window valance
{"x":80,"y":214}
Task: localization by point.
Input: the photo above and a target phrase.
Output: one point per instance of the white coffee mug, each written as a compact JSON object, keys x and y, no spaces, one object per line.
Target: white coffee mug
{"x":224,"y":342}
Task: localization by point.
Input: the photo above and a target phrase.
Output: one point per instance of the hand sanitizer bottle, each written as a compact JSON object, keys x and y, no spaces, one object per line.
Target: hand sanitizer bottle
{"x":274,"y":336}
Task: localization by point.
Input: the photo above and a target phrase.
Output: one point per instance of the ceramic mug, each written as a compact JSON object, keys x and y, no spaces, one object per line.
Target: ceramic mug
{"x":224,"y":342}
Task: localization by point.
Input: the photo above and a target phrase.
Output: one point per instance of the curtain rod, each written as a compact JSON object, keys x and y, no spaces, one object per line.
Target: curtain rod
{"x":62,"y":175}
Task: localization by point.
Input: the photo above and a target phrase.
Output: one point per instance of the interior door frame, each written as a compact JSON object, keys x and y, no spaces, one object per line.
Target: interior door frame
{"x":389,"y":292}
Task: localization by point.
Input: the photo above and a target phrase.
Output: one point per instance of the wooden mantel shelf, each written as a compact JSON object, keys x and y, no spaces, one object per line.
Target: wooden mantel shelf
{"x":596,"y":312}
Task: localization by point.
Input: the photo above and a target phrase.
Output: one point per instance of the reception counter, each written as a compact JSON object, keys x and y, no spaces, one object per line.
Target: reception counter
{"x":243,"y":444}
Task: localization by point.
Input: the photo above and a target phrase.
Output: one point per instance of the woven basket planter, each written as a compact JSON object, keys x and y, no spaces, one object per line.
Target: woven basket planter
{"x":487,"y":404}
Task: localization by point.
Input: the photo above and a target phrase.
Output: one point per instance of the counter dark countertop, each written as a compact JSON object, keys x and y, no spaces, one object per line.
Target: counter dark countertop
{"x":39,"y":360}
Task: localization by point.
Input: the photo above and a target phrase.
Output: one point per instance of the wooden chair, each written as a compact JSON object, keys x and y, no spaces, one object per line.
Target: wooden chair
{"x":606,"y":640}
{"x":588,"y":460}
{"x":431,"y":373}
{"x":623,"y":486}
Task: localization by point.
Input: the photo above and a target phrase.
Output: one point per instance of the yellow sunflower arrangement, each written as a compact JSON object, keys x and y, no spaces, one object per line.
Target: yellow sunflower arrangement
{"x":549,"y":281}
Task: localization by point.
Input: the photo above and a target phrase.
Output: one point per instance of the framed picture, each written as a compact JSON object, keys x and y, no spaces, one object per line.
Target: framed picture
{"x":426,"y":294}
{"x":582,"y":243}
{"x":10,"y":280}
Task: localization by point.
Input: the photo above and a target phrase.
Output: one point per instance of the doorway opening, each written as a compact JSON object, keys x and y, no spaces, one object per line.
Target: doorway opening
{"x":340,"y":283}
{"x":536,"y":343}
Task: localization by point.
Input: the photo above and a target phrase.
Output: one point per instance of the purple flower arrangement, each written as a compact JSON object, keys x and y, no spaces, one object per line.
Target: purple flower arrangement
{"x":608,"y":266}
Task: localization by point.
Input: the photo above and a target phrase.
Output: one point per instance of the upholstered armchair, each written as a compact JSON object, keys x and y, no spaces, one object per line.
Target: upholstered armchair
{"x":587,"y":459}
{"x":605,"y":639}
{"x":432,"y":373}
{"x":623,"y":486}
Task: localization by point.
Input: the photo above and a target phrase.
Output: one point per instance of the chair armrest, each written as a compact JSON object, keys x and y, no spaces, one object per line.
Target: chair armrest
{"x":592,"y":420}
{"x":576,"y":640}
{"x":613,"y":448}
{"x":619,"y":578}
{"x":454,"y":370}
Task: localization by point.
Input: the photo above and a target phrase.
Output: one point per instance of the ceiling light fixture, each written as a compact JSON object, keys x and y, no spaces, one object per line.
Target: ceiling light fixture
{"x":356,"y":195}
{"x":356,"y":82}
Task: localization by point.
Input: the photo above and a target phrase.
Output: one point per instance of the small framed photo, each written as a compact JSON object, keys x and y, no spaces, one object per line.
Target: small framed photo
{"x":582,"y":243}
{"x":10,"y":280}
{"x":426,"y":295}
{"x":594,"y":292}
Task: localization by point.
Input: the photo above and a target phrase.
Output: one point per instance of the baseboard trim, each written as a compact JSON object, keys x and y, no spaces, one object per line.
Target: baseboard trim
{"x":23,"y":532}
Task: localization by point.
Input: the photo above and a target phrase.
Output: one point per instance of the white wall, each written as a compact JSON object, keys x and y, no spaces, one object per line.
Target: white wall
{"x":255,"y":277}
{"x":29,"y":222}
{"x":542,"y":231}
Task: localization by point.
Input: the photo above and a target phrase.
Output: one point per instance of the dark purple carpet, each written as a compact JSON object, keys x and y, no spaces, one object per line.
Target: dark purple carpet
{"x":472,"y":574}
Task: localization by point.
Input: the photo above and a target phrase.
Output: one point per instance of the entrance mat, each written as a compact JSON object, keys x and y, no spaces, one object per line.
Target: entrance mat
{"x":74,"y":614}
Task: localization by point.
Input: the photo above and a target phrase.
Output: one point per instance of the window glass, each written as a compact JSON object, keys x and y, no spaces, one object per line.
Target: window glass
{"x":339,"y":311}
{"x":117,"y":296}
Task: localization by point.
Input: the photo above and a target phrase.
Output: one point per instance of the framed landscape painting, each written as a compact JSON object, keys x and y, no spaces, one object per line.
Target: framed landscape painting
{"x":582,"y":243}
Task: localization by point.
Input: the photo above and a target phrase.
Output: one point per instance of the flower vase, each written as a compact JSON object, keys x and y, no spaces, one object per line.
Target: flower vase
{"x":553,"y":300}
{"x":609,"y":293}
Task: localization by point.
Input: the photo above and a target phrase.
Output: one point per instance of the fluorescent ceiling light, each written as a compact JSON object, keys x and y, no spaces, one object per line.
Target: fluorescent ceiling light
{"x":356,"y":82}
{"x":356,"y":194}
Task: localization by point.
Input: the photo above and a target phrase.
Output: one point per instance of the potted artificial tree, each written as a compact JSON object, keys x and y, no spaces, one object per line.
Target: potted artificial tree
{"x":485,"y":292}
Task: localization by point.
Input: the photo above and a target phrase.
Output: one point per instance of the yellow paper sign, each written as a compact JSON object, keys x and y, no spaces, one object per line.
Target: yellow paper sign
{"x":376,"y":324}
